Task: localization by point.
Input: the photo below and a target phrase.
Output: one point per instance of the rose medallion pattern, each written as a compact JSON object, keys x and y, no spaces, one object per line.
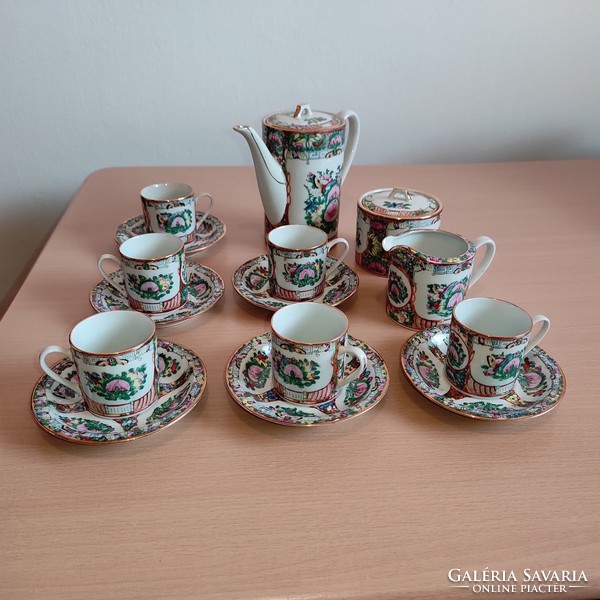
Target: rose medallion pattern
{"x":181,"y":383}
{"x":249,"y":379}
{"x":150,"y":288}
{"x":175,"y":222}
{"x":205,"y":288}
{"x":303,"y":274}
{"x":322,"y":205}
{"x":539,"y":388}
{"x":114,"y":387}
{"x":208,"y":232}
{"x":251,"y":282}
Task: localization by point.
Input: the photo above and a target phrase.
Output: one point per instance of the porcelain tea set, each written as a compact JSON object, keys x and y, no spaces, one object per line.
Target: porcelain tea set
{"x":477,"y":357}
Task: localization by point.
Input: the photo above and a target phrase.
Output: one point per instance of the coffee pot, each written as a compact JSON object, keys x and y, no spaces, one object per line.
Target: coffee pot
{"x":301,"y":165}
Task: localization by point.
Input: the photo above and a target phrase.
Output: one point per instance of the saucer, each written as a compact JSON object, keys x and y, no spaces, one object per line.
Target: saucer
{"x":249,"y":381}
{"x":205,"y":288}
{"x":208,"y":233}
{"x":181,"y":383}
{"x":251,"y":282}
{"x":539,"y":388}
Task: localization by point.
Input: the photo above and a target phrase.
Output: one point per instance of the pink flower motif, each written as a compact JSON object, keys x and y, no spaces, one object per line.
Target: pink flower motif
{"x":331,"y":212}
{"x":306,"y":272}
{"x":360,"y":389}
{"x":394,"y":290}
{"x":511,"y":365}
{"x":334,"y":193}
{"x":455,"y":298}
{"x":293,"y":370}
{"x":149,"y":286}
{"x":323,"y":181}
{"x":254,"y":372}
{"x":452,"y":353}
{"x":178,"y":222}
{"x":201,"y":289}
{"x":533,"y":379}
{"x":160,"y":363}
{"x":82,"y":428}
{"x":117,"y":385}
{"x":336,"y":140}
{"x":425,"y":373}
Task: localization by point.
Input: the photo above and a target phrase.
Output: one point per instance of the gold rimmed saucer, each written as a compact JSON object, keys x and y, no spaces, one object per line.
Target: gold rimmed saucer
{"x":208,"y":232}
{"x":248,"y":377}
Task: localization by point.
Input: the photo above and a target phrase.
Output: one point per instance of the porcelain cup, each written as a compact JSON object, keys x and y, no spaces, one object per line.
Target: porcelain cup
{"x":308,"y":352}
{"x":171,"y":208}
{"x":430,"y":272}
{"x":489,"y":339}
{"x":298,"y":261}
{"x":153,"y":266}
{"x":115,"y":361}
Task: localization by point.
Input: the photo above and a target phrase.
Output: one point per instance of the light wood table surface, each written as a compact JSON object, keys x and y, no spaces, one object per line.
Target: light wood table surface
{"x":225,"y":505}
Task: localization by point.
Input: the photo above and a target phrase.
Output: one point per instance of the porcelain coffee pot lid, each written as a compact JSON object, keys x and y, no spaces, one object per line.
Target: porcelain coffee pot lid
{"x":398,"y":203}
{"x":303,"y":120}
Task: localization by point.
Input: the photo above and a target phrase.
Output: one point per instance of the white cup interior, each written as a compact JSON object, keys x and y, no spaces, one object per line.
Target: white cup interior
{"x":115,"y":331}
{"x":297,"y":237}
{"x":496,"y":318}
{"x":309,"y":323}
{"x":166,"y":191}
{"x":435,"y":243}
{"x":150,"y":246}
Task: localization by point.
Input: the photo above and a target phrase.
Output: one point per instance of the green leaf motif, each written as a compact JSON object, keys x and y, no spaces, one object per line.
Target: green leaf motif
{"x":303,"y":275}
{"x":256,"y":371}
{"x":502,"y":366}
{"x":442,"y":298}
{"x":321,"y":208}
{"x":151,"y":288}
{"x":177,"y":222}
{"x":300,"y":372}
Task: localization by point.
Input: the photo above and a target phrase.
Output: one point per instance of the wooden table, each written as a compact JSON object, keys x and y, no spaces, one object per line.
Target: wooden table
{"x":224,"y":505}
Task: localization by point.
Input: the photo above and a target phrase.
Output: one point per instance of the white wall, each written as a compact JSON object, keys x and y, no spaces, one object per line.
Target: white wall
{"x":86,"y":84}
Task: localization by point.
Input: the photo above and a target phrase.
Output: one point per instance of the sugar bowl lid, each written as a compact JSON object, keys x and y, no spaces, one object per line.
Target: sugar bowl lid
{"x":401,"y":204}
{"x":303,"y":120}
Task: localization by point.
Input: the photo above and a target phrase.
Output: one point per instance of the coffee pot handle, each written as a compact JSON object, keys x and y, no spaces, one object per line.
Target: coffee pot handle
{"x":333,"y":268}
{"x":362,"y":358}
{"x":51,"y":373}
{"x":353,"y":131}
{"x":488,"y":256}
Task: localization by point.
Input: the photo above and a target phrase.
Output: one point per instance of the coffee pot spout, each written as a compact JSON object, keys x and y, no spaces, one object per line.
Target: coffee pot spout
{"x":269,"y":175}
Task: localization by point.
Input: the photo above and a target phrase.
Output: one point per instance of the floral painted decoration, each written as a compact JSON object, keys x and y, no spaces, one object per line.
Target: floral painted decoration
{"x":242,"y":379}
{"x":181,"y":387}
{"x":540,"y":381}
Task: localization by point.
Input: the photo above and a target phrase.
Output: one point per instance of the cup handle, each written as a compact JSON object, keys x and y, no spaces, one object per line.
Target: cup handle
{"x":207,"y":211}
{"x":51,"y":373}
{"x":490,"y":250}
{"x":106,"y":278}
{"x":537,"y":338}
{"x":333,"y":268}
{"x":362,"y":357}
